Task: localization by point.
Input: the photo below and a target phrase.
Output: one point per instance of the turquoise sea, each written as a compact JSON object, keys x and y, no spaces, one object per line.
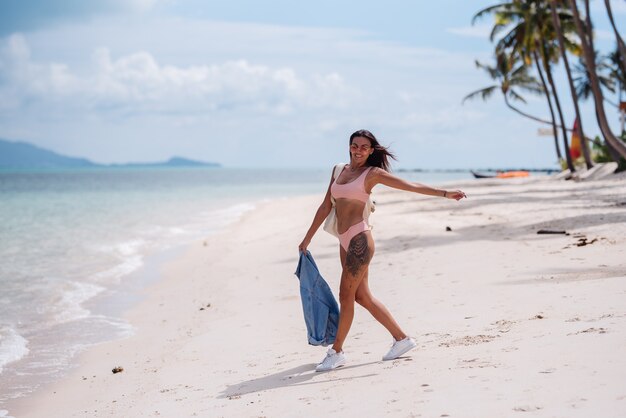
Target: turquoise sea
{"x":69,"y":237}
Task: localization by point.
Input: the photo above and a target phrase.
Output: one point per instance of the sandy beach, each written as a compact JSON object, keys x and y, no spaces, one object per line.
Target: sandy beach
{"x":508,"y":322}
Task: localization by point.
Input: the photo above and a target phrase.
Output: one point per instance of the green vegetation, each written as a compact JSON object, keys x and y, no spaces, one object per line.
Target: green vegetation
{"x":601,"y":154}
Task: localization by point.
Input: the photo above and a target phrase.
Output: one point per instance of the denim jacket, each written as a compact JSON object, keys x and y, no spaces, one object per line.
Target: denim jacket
{"x":321,"y":312}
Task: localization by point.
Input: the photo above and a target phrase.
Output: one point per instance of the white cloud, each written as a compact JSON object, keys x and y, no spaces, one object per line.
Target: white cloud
{"x":27,"y":79}
{"x":137,"y":81}
{"x":475,"y":31}
{"x":206,"y":89}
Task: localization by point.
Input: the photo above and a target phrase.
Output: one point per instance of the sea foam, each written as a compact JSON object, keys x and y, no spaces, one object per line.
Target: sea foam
{"x":12,"y":346}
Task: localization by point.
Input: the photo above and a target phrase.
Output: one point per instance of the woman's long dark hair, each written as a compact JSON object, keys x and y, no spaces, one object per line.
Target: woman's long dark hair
{"x":380,"y":156}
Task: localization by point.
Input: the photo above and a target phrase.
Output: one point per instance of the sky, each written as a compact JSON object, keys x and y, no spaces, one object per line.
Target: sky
{"x":277,"y":83}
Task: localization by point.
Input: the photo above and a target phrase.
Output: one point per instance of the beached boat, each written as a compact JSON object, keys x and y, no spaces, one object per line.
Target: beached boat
{"x":482,"y":176}
{"x":501,"y":174}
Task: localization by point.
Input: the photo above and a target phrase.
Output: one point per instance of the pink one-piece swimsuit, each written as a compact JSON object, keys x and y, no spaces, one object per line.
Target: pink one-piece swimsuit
{"x":354,"y":190}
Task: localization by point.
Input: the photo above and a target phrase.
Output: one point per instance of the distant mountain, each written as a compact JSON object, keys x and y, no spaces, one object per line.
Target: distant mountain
{"x":172,"y":162}
{"x":22,"y":155}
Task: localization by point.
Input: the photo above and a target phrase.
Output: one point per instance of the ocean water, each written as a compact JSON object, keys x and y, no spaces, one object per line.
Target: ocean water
{"x":69,"y":236}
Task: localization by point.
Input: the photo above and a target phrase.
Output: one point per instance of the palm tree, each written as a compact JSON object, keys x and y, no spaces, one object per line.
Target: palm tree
{"x":556,"y":21}
{"x":610,"y":74}
{"x":505,"y":14}
{"x":509,"y":75}
{"x":501,"y":73}
{"x":547,"y":53}
{"x":548,"y":95}
{"x":604,"y":71}
{"x":588,"y":51}
{"x":621,"y":46}
{"x":617,"y":72}
{"x":530,"y":33}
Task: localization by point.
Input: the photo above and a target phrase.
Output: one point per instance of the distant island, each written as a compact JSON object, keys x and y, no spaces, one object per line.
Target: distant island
{"x":22,"y":155}
{"x":172,"y":162}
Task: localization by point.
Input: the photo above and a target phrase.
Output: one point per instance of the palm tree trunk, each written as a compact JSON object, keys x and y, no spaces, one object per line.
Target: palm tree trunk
{"x":546,"y":63}
{"x":537,"y":119}
{"x":521,"y":112}
{"x":621,"y":53}
{"x":588,"y":53}
{"x":612,"y":153}
{"x":589,"y":23}
{"x":559,"y":31}
{"x":545,"y":89}
{"x":621,"y":46}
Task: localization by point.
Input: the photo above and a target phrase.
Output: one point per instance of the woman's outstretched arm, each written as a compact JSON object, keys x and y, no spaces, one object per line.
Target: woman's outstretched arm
{"x":321,"y":214}
{"x":383,"y":177}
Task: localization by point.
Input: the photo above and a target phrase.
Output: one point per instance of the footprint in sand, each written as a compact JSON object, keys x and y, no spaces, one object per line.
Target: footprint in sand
{"x":590,"y":331}
{"x":468,"y":340}
{"x":527,"y":408}
{"x":435,"y":337}
{"x":599,"y":318}
{"x":475,"y":363}
{"x":502,"y":325}
{"x":393,"y":364}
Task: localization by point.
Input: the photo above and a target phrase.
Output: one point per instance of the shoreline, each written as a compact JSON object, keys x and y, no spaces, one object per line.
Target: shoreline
{"x":246,"y":354}
{"x":111,"y":303}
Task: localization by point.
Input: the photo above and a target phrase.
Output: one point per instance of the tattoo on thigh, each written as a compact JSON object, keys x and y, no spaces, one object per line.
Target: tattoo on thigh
{"x":358,"y":254}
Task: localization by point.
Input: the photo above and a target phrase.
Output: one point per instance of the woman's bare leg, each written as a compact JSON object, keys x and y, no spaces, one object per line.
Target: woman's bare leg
{"x":355,"y":262}
{"x":365,"y":298}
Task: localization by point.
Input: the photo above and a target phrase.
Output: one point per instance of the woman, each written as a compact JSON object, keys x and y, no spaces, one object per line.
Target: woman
{"x":369,"y":166}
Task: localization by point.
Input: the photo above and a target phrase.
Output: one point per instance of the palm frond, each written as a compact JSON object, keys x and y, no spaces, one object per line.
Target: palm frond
{"x":492,"y":71}
{"x":520,"y":71}
{"x":608,"y":83}
{"x":531,"y":85}
{"x":497,"y":28}
{"x":484,"y":93}
{"x":513,"y":38}
{"x":516,"y":96}
{"x":487,"y":10}
{"x":583,"y":90}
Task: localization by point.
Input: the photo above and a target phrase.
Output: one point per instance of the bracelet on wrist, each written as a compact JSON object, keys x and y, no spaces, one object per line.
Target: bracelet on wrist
{"x":445,"y":193}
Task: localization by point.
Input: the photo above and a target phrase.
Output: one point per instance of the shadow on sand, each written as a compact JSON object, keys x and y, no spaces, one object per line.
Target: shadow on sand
{"x":297,"y":376}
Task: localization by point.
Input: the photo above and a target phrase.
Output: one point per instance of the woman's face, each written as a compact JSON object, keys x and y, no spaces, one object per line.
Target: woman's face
{"x":360,"y":149}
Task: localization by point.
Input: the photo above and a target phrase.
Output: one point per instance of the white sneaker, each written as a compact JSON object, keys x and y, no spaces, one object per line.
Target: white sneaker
{"x":331,"y":361}
{"x":400,"y":347}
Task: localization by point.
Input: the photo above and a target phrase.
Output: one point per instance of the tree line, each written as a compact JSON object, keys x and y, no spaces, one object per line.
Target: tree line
{"x":531,"y":38}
